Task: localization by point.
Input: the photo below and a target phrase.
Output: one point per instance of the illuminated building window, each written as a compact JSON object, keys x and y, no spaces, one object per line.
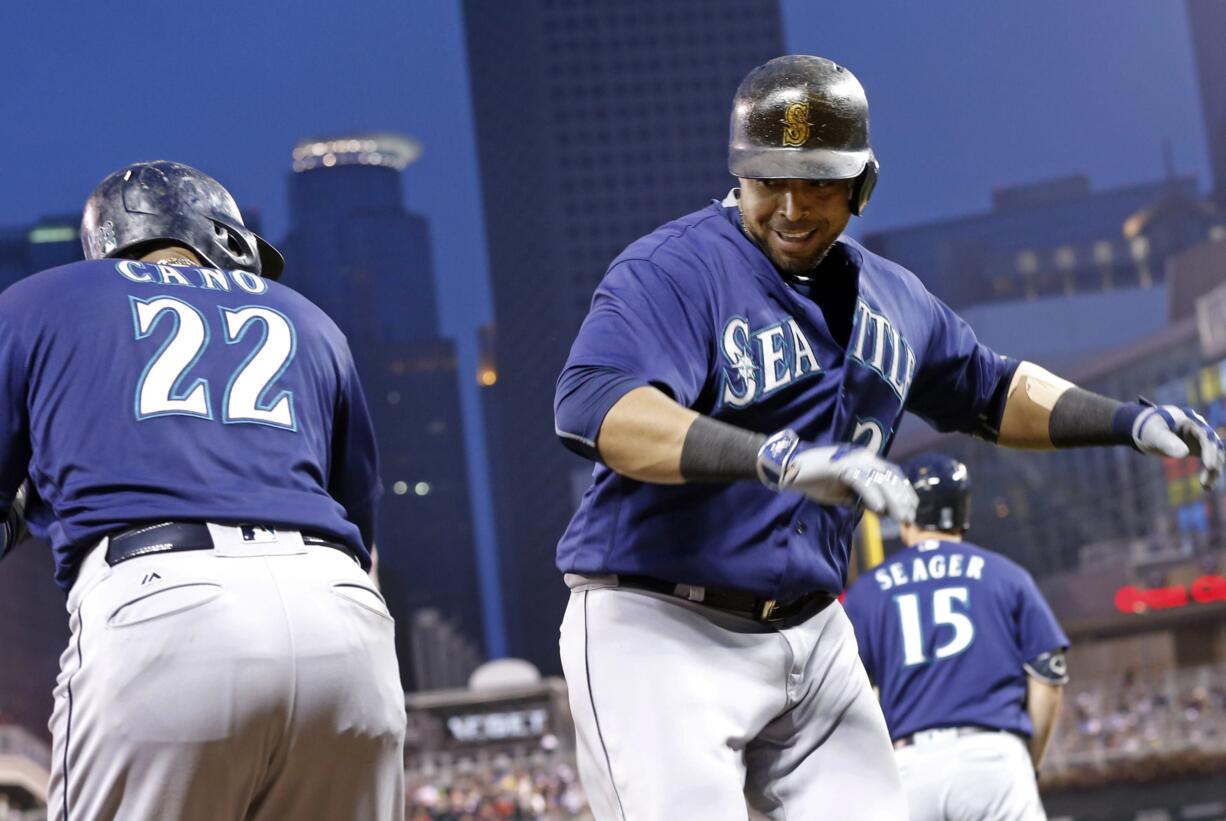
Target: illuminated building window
{"x":1027,"y":262}
{"x":53,"y":233}
{"x":1139,"y":248}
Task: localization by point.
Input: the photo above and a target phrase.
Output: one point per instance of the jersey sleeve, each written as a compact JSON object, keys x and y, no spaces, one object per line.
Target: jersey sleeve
{"x":646,"y":326}
{"x":960,"y":383}
{"x":1038,"y":631}
{"x":354,"y":479}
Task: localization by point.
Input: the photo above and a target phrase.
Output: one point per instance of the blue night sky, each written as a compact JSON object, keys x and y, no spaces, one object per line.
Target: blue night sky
{"x":966,"y":96}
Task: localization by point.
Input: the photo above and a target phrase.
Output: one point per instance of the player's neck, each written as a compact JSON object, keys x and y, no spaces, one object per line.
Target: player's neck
{"x":172,"y":255}
{"x":915,"y":535}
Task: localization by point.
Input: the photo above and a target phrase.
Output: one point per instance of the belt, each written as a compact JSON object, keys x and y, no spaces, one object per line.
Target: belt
{"x":741,"y":602}
{"x":172,"y":537}
{"x":938,"y":733}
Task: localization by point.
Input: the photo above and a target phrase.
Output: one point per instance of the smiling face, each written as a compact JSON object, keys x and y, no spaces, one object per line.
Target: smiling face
{"x":795,"y":222}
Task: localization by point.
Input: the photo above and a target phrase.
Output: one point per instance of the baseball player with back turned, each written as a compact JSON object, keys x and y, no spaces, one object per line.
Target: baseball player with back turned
{"x":202,"y":462}
{"x":967,"y":657}
{"x":738,"y":379}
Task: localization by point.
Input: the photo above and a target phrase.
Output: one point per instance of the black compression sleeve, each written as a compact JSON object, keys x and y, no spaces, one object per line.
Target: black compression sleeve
{"x":1081,"y":418}
{"x":715,"y":451}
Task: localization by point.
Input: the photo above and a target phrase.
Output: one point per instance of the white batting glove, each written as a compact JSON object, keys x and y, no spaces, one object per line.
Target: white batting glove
{"x":836,"y":475}
{"x":1167,"y":430}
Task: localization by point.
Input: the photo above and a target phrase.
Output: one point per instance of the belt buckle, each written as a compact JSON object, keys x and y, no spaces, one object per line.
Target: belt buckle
{"x":766,"y":608}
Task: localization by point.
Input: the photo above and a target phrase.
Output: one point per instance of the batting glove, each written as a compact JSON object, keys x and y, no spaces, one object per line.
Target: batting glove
{"x":836,"y":475}
{"x":13,"y":528}
{"x":1167,"y":430}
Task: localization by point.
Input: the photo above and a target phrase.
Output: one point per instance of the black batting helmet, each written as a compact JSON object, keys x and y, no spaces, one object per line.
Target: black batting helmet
{"x":157,"y":202}
{"x":944,"y":490}
{"x":803,"y":117}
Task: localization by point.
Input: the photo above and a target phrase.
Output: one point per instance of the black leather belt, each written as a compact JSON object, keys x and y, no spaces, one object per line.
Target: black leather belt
{"x":909,"y":740}
{"x":741,"y":602}
{"x":171,"y":537}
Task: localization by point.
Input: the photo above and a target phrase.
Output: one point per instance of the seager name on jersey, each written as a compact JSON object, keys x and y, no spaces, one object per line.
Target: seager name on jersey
{"x":190,"y":277}
{"x":763,"y":361}
{"x":923,"y":568}
{"x":877,"y":344}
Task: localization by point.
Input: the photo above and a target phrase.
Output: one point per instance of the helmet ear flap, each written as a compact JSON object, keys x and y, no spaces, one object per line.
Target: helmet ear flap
{"x":863,"y":187}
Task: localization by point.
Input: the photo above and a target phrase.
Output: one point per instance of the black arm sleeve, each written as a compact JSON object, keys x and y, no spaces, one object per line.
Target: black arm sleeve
{"x":715,"y":451}
{"x":1081,"y":418}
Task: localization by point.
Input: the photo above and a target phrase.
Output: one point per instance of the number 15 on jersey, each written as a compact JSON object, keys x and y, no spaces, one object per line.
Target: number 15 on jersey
{"x":920,"y":616}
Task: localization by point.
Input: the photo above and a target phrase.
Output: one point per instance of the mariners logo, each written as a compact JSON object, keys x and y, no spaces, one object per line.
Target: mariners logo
{"x":796,"y":124}
{"x":759,"y":362}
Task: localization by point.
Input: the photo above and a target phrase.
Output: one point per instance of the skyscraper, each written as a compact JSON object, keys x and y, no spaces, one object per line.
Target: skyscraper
{"x":595,"y":122}
{"x":1052,"y":238}
{"x":1207,"y":23}
{"x":355,"y":251}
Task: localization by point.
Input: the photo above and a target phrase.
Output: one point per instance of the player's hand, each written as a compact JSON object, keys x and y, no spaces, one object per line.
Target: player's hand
{"x":1167,"y":430}
{"x":836,"y":475}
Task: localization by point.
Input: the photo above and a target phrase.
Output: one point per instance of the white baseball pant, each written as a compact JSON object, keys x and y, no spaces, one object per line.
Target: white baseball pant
{"x":243,"y":682}
{"x":684,"y":711}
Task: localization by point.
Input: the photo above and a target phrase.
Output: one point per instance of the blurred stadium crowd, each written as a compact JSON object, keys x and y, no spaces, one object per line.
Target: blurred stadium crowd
{"x":505,"y":788}
{"x":1142,"y":727}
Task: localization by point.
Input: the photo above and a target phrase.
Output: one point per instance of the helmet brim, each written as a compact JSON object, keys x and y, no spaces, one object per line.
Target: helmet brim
{"x":797,"y":163}
{"x":271,"y":261}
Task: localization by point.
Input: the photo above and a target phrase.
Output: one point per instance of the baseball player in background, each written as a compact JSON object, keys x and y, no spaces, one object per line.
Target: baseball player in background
{"x":967,"y":657}
{"x":200,"y":457}
{"x":738,"y":379}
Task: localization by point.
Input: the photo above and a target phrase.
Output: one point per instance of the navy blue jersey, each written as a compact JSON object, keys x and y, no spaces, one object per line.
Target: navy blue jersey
{"x":944,"y":630}
{"x":135,"y":392}
{"x":696,"y":309}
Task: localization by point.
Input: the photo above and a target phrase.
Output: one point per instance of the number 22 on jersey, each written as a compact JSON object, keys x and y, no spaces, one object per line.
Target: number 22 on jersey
{"x":940,"y":611}
{"x":159,"y":392}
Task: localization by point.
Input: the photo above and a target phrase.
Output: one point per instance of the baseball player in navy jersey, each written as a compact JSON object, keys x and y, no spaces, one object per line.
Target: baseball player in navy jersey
{"x":967,"y":657}
{"x":739,"y":379}
{"x":201,"y":460}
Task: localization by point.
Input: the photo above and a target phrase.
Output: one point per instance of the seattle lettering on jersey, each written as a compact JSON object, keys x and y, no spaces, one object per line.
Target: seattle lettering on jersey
{"x":761,"y":362}
{"x":190,"y":277}
{"x":879,"y":345}
{"x":923,"y":568}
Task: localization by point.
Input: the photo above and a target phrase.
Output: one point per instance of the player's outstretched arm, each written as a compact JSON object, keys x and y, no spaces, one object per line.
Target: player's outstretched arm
{"x":1043,"y":411}
{"x":649,"y":437}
